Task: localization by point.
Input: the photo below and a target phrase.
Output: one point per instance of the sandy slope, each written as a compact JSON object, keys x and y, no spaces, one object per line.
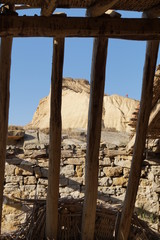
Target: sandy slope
{"x":117,"y":110}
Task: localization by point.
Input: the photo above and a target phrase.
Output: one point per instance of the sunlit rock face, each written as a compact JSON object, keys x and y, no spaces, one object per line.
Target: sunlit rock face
{"x":117,"y":110}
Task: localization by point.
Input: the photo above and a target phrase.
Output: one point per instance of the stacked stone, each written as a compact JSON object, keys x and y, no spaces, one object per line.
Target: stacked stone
{"x":27,"y":171}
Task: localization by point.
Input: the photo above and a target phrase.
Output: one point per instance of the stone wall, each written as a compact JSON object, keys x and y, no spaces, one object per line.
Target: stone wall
{"x":27,"y":170}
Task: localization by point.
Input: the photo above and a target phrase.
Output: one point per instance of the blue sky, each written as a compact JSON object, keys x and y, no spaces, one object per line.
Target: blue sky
{"x":32,"y":60}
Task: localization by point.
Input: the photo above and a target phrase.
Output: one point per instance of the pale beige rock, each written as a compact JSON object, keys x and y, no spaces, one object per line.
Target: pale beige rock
{"x":26,"y":170}
{"x":117,"y":110}
{"x":120,"y":181}
{"x":112,"y":171}
{"x":30,"y":180}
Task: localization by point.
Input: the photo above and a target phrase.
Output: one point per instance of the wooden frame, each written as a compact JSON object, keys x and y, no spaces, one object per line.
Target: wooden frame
{"x":102,"y":28}
{"x":55,"y":141}
{"x":93,"y":136}
{"x":100,"y":8}
{"x":58,"y":26}
{"x":5,"y":66}
{"x":47,"y":9}
{"x":141,"y":133}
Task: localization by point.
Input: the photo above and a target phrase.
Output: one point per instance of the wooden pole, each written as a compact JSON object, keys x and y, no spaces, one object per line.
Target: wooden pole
{"x":100,"y":8}
{"x":93,"y":136}
{"x":141,"y":132}
{"x":55,"y":141}
{"x":48,"y":7}
{"x":5,"y":65}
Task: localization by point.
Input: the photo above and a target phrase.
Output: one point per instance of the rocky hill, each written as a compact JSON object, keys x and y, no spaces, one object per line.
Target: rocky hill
{"x":117,"y":110}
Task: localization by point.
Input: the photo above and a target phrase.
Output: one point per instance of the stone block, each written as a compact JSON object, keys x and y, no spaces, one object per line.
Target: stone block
{"x":14,"y":161}
{"x":28,"y":162}
{"x":63,"y":182}
{"x":10,"y":188}
{"x":43,"y":181}
{"x":29,"y":188}
{"x":105,"y":162}
{"x":24,"y":170}
{"x":14,"y":179}
{"x":119,"y":191}
{"x":43,"y":162}
{"x":11,"y":185}
{"x":76,"y":180}
{"x":9,"y":170}
{"x":112,"y":171}
{"x":79,"y":171}
{"x":32,"y":194}
{"x":126,"y":172}
{"x":74,"y":161}
{"x":28,"y":153}
{"x":30,"y":180}
{"x":76,"y":194}
{"x":120,"y":181}
{"x":41,"y":190}
{"x":37,"y":172}
{"x":107,"y":190}
{"x":66,"y":153}
{"x":105,"y":181}
{"x":67,"y":171}
{"x":30,"y":137}
{"x":70,"y":189}
{"x":44,"y":172}
{"x":30,"y":146}
{"x":145,"y":182}
{"x":155,"y":170}
{"x":122,"y":163}
{"x":39,"y":154}
{"x":43,"y":138}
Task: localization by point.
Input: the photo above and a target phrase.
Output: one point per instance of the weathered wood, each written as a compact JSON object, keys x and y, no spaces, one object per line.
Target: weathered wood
{"x":133,"y":29}
{"x":49,"y":7}
{"x":130,"y":5}
{"x":141,"y":132}
{"x":5,"y":64}
{"x":93,"y":136}
{"x":22,"y":7}
{"x":155,"y":11}
{"x":113,"y":14}
{"x":55,"y":141}
{"x":100,"y":8}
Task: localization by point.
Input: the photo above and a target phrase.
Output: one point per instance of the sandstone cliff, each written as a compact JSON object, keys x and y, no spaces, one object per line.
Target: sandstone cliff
{"x":117,"y":110}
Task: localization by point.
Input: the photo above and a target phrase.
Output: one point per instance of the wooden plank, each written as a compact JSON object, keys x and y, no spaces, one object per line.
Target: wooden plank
{"x":100,"y":8}
{"x":155,"y":11}
{"x":49,"y":7}
{"x":5,"y":65}
{"x":93,"y":136}
{"x":26,"y":26}
{"x":55,"y":141}
{"x":141,"y":132}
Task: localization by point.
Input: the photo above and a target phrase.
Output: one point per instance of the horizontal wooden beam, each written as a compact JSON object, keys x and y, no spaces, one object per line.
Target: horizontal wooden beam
{"x":100,"y":8}
{"x":58,"y":26}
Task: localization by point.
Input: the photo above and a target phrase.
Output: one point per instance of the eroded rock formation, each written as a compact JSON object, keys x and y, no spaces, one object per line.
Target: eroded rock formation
{"x":117,"y":110}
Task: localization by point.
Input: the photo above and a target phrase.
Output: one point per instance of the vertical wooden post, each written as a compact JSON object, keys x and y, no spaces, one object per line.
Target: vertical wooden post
{"x":93,"y":136}
{"x":55,"y":141}
{"x":5,"y":65}
{"x":141,"y":132}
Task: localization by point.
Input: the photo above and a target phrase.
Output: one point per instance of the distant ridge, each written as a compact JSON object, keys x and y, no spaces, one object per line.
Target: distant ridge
{"x":117,"y":110}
